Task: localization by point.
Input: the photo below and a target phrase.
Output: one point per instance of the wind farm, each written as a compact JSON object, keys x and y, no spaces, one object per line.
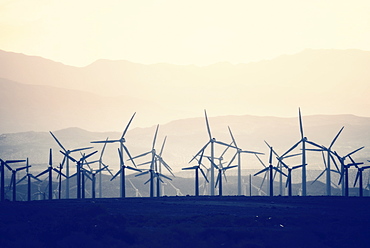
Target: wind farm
{"x":173,"y":194}
{"x":184,"y":124}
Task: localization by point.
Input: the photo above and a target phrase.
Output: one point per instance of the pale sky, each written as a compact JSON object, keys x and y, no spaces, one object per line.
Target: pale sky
{"x":197,"y":32}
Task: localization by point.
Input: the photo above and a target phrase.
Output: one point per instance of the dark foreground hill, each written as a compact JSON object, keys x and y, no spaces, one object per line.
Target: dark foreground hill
{"x":187,"y":222}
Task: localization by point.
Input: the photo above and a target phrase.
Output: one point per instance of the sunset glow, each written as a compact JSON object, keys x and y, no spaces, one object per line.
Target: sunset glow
{"x":180,"y":32}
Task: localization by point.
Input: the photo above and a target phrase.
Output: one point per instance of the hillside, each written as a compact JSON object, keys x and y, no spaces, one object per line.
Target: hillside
{"x":185,"y":137}
{"x":188,"y":222}
{"x":319,"y":81}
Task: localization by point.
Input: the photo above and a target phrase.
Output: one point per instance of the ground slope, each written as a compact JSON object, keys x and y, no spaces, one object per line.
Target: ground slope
{"x":187,"y":222}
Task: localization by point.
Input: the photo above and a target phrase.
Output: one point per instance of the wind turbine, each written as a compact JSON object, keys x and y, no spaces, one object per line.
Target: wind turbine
{"x":79,"y":164}
{"x":359,"y":179}
{"x":328,"y":169}
{"x":329,"y":158}
{"x":238,"y":153}
{"x":13,"y":181}
{"x":153,"y":165}
{"x":101,"y":164}
{"x":3,"y":164}
{"x":288,"y":183}
{"x":158,"y":168}
{"x":212,"y":141}
{"x":197,"y":168}
{"x":270,"y":170}
{"x":264,"y":177}
{"x":49,"y":170}
{"x":137,"y":192}
{"x":344,"y":170}
{"x":302,"y":141}
{"x":66,"y":156}
{"x":122,"y":174}
{"x":29,"y":176}
{"x":122,"y":147}
{"x":328,"y":192}
{"x":221,"y":170}
{"x":178,"y":191}
{"x":93,"y":173}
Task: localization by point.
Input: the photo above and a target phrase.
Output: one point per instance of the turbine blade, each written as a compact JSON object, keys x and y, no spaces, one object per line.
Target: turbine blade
{"x":336,"y":137}
{"x":155,"y":136}
{"x":357,"y":176}
{"x":263,"y":180}
{"x":276,"y":169}
{"x":81,"y":149}
{"x":317,"y":178}
{"x":60,"y":144}
{"x":261,"y":171}
{"x":314,"y":144}
{"x":190,"y":168}
{"x":229,"y":167}
{"x":35,"y":178}
{"x":223,"y":153}
{"x":260,"y":160}
{"x":142,"y":173}
{"x":297,"y":166}
{"x":164,"y":142}
{"x":290,"y":149}
{"x":288,"y":178}
{"x":271,"y":148}
{"x":165,"y":176}
{"x":132,"y":168}
{"x":232,"y":136}
{"x":200,"y":151}
{"x":148,"y":181}
{"x":141,"y":155}
{"x":204,"y":175}
{"x":105,"y":141}
{"x":300,"y":123}
{"x":224,"y":144}
{"x":218,"y":179}
{"x":14,"y":161}
{"x":213,"y":164}
{"x":120,"y":157}
{"x":252,"y":152}
{"x":232,"y":159}
{"x":335,"y":163}
{"x":124,"y":132}
{"x":207,"y":124}
{"x":87,"y":156}
{"x":102,"y":150}
{"x":118,"y":172}
{"x":68,"y":156}
{"x":270,"y":159}
{"x":349,"y":154}
{"x":20,"y":180}
{"x":42,"y":173}
{"x":51,"y":157}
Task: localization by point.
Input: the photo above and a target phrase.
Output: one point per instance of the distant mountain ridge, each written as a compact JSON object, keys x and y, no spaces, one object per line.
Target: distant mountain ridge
{"x":102,"y":95}
{"x":185,"y":137}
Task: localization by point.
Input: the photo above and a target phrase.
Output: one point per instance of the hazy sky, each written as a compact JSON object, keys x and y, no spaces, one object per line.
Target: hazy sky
{"x":180,"y":32}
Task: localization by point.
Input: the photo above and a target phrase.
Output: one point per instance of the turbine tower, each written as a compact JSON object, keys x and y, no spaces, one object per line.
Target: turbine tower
{"x":212,"y":141}
{"x":238,"y":153}
{"x":155,"y":158}
{"x":197,"y":168}
{"x":66,"y":159}
{"x":303,"y":141}
{"x":3,"y":164}
{"x":122,"y":147}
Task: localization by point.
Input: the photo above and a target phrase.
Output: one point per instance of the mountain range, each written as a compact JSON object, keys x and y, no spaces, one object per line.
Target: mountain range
{"x":39,"y":94}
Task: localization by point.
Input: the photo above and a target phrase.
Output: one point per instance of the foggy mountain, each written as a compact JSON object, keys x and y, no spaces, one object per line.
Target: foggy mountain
{"x":27,"y":107}
{"x":319,"y":81}
{"x":187,"y":136}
